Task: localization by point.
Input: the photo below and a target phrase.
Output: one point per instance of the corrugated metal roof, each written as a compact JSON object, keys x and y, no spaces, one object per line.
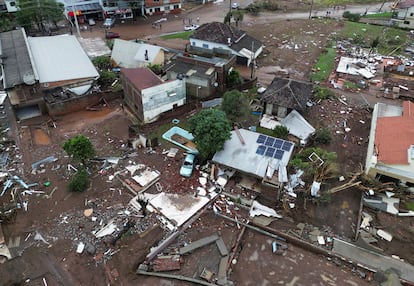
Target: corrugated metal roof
{"x":18,"y":68}
{"x":243,"y":157}
{"x":151,"y":50}
{"x":142,"y":78}
{"x":60,"y":58}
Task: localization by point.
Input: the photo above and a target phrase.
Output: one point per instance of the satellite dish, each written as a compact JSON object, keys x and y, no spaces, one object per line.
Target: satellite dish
{"x":29,"y":79}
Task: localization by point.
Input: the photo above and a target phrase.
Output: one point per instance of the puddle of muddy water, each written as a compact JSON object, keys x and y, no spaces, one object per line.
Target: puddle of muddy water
{"x":40,"y":137}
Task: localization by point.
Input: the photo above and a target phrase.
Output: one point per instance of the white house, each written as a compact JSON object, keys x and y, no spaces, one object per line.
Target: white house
{"x":220,"y":37}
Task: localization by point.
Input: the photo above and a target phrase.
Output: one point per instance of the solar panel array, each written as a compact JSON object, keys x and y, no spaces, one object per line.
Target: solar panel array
{"x":272,"y":147}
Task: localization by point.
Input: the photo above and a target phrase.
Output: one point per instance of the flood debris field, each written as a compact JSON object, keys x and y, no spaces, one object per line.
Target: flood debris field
{"x":102,"y":236}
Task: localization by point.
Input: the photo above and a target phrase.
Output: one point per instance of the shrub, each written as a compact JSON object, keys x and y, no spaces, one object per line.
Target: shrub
{"x":353,"y":17}
{"x":323,"y":93}
{"x":253,"y":8}
{"x":281,"y":132}
{"x":80,"y":181}
{"x":323,"y":136}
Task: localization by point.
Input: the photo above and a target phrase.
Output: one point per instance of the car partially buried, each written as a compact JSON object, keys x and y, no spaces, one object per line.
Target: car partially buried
{"x":188,"y":165}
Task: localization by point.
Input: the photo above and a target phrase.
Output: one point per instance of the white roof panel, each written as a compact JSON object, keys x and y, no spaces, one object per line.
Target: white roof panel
{"x":151,"y":50}
{"x":297,"y":125}
{"x":247,"y":158}
{"x":59,"y":58}
{"x":123,"y":53}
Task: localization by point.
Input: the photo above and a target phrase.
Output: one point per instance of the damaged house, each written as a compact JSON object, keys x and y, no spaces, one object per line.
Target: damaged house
{"x":148,"y":96}
{"x":257,"y":155}
{"x":128,"y":54}
{"x":220,"y":38}
{"x":403,"y":14}
{"x":42,"y":74}
{"x":204,"y":77}
{"x":284,"y":95}
{"x":386,"y":156}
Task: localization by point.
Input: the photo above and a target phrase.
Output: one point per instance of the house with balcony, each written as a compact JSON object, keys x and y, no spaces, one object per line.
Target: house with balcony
{"x":403,"y":14}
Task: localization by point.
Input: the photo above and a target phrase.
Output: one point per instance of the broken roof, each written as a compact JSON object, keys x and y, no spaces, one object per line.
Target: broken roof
{"x":297,"y":125}
{"x":391,"y":151}
{"x":288,"y":93}
{"x":128,"y":54}
{"x":60,"y":58}
{"x":246,"y":157}
{"x":16,"y":59}
{"x":190,"y":69}
{"x":142,"y":78}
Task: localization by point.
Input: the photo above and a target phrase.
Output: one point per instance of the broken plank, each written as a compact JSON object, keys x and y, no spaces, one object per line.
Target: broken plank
{"x":198,"y":243}
{"x":222,"y":247}
{"x":222,"y":272}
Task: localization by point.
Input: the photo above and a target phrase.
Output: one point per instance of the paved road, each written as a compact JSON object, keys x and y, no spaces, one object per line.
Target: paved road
{"x":210,"y":12}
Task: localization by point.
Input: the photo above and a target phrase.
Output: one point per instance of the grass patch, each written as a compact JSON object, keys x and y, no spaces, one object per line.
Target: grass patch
{"x":264,"y":131}
{"x":324,"y":66}
{"x":180,"y":35}
{"x":410,"y":205}
{"x":361,"y":34}
{"x":350,"y":85}
{"x":384,"y":15}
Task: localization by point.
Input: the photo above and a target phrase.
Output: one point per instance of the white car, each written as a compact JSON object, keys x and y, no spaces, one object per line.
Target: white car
{"x":235,"y":6}
{"x":191,"y":27}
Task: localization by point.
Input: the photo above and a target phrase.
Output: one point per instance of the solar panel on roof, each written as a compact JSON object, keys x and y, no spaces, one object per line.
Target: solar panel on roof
{"x":278,"y":154}
{"x":260,"y":150}
{"x":286,"y":146}
{"x":278,"y":143}
{"x":270,"y":151}
{"x":261,"y":139}
{"x":269,"y":141}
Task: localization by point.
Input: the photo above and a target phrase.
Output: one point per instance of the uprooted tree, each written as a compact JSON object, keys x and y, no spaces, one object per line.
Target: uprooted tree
{"x":211,"y":129}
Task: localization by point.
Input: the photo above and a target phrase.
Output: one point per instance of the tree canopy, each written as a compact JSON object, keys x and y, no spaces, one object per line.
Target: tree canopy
{"x":236,"y":105}
{"x":80,"y":148}
{"x":39,"y":13}
{"x":210,"y":129}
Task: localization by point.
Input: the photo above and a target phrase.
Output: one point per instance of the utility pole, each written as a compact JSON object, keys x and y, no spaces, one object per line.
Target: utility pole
{"x":76,"y":18}
{"x":310,"y":10}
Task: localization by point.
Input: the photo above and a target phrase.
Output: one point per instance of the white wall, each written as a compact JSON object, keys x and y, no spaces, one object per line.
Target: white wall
{"x":162,"y":98}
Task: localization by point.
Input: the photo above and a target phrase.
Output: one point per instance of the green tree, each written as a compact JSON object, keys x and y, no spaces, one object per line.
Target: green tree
{"x":227,"y":18}
{"x":80,"y":181}
{"x":211,"y":129}
{"x":236,"y":105}
{"x":233,"y":79}
{"x":281,"y":132}
{"x":323,"y":135}
{"x":238,"y":16}
{"x":39,"y":14}
{"x":5,"y":23}
{"x":80,"y":148}
{"x":106,"y":77}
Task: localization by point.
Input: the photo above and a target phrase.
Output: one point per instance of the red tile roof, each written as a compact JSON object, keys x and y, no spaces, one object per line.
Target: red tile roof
{"x":395,"y":135}
{"x":141,"y":78}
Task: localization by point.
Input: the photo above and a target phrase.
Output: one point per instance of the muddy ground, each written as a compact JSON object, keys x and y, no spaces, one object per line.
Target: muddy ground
{"x":60,"y":219}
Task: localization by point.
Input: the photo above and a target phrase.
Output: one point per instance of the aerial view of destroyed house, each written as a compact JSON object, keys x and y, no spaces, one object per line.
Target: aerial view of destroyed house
{"x":225,"y":142}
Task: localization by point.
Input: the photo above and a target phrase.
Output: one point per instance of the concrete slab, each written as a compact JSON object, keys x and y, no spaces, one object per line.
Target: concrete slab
{"x":373,"y":260}
{"x":198,"y":243}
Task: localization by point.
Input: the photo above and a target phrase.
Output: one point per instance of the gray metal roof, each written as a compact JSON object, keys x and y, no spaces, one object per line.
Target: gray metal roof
{"x":59,"y":58}
{"x":244,"y":158}
{"x":17,"y":64}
